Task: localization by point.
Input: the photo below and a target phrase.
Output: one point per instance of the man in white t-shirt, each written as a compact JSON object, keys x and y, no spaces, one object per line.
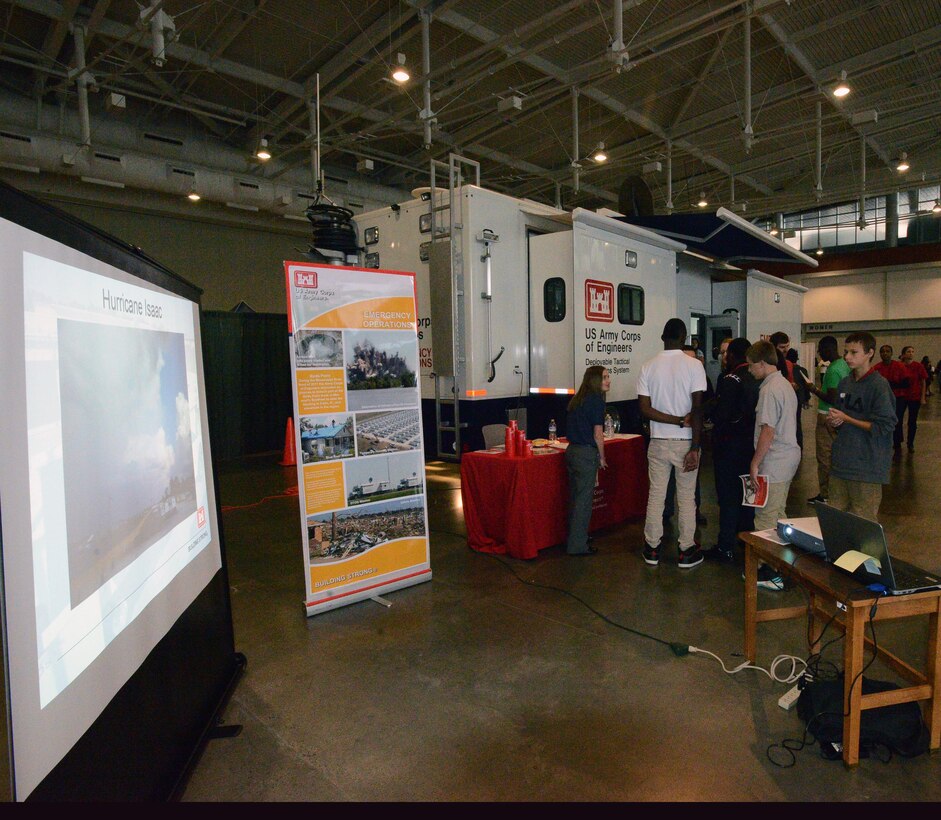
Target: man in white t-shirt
{"x":670,"y":392}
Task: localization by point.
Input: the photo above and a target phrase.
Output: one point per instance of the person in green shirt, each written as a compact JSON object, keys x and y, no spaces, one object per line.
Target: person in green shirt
{"x":828,"y":350}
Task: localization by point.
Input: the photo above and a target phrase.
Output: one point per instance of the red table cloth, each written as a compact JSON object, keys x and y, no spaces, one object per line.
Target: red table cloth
{"x":519,"y":506}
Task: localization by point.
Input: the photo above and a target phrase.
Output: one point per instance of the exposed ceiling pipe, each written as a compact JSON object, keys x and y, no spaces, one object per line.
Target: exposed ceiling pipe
{"x":427,"y":116}
{"x":617,"y":51}
{"x":83,"y":79}
{"x":669,"y":176}
{"x":314,"y":117}
{"x":576,"y":153}
{"x":162,"y":29}
{"x":819,"y":171}
{"x":749,"y":133}
{"x":862,"y":183}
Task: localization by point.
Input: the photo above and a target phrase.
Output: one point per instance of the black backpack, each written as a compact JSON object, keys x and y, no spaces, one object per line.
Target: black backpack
{"x":899,"y":727}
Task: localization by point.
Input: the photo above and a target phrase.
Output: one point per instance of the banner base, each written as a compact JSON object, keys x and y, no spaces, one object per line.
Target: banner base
{"x":369,"y":593}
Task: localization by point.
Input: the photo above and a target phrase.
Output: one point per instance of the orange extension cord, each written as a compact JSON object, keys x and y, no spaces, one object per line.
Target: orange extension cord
{"x":290,"y":492}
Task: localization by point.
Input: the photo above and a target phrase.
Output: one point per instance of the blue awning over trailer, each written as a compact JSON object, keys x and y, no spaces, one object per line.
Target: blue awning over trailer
{"x":722,"y":236}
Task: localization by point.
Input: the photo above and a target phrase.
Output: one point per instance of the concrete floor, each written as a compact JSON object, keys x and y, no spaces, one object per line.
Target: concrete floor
{"x":544,"y":680}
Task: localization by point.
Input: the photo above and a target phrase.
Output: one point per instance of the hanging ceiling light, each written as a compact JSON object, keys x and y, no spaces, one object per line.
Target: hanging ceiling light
{"x":902,"y":164}
{"x":773,"y":231}
{"x":841,"y":89}
{"x":819,"y":251}
{"x":400,"y":72}
{"x":600,"y":155}
{"x":703,"y":202}
{"x":263,"y":153}
{"x":936,"y":208}
{"x":192,"y":196}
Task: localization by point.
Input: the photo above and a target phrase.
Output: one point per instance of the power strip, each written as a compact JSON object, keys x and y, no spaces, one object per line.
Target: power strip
{"x":789,"y":698}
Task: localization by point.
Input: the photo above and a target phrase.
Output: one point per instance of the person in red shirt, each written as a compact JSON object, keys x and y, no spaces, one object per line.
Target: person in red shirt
{"x":894,"y":372}
{"x":914,"y":397}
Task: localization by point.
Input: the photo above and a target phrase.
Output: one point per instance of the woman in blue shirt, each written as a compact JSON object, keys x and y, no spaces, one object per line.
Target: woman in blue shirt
{"x":585,"y":454}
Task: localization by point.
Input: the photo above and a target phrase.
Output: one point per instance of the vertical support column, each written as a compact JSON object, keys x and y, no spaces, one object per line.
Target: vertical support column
{"x":862,"y":182}
{"x":819,"y":168}
{"x":313,"y":107}
{"x":576,"y":153}
{"x":749,"y":133}
{"x":426,"y":115}
{"x":81,"y":84}
{"x":892,"y":219}
{"x":669,"y":176}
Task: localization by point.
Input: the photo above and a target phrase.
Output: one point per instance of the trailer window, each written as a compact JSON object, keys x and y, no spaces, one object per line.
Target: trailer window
{"x":630,"y":305}
{"x":553,"y":299}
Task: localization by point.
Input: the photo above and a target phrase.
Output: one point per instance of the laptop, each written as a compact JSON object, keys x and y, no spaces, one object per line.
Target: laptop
{"x":857,"y":546}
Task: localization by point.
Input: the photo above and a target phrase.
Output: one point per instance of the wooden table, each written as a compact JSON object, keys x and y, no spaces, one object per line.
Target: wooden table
{"x":833,"y":592}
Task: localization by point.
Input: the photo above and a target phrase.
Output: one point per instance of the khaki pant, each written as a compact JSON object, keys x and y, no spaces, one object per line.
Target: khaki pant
{"x":663,"y":457}
{"x":766,"y":518}
{"x":858,"y":497}
{"x":824,"y":437}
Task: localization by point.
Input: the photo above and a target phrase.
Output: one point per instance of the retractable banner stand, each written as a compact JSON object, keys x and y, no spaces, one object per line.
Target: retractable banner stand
{"x":357,"y":409}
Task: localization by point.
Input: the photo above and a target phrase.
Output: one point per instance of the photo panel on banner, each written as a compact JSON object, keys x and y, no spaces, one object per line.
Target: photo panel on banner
{"x":361,"y":476}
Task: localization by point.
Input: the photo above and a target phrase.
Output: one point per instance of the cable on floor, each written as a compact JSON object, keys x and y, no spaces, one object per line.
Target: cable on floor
{"x":792,"y":745}
{"x":678,"y":649}
{"x":796,"y":670}
{"x":290,"y":492}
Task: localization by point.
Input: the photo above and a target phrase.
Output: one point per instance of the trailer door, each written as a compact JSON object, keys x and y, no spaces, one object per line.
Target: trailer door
{"x":713,"y":329}
{"x":551,"y":313}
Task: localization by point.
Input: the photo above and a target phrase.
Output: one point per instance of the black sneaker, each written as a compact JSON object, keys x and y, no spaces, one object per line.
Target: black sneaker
{"x":817,"y":499}
{"x":716,"y":553}
{"x":690,"y":558}
{"x":769,"y":578}
{"x":651,"y":555}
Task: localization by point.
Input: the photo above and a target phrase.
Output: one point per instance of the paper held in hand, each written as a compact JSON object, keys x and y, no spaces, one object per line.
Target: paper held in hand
{"x":754,"y":495}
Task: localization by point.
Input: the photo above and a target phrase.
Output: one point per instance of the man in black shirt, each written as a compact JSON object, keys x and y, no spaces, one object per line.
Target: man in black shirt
{"x":733,"y":419}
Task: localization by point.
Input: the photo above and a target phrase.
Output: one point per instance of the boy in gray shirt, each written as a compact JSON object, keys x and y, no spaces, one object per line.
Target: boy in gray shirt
{"x":777,"y":453}
{"x":864,"y":418}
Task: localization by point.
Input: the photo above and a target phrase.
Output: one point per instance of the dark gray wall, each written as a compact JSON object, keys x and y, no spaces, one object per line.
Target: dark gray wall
{"x":230,"y":263}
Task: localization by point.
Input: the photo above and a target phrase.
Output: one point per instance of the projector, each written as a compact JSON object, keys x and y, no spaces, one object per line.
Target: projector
{"x":803,"y":533}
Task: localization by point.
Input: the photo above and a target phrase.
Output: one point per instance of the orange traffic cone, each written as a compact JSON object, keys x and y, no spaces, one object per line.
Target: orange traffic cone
{"x":289,"y":459}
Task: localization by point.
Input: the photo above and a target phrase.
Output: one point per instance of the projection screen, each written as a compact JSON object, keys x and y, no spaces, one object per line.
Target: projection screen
{"x":109,"y":523}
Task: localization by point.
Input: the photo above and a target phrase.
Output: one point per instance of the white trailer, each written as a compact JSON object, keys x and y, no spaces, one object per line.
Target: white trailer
{"x":764,"y":304}
{"x":516,"y":299}
{"x":600,"y":294}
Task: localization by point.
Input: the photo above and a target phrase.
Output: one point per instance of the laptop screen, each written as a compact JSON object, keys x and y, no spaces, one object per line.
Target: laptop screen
{"x":856,"y":545}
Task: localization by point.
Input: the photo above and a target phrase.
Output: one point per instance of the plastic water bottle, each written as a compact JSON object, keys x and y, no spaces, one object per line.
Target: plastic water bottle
{"x":553,"y":431}
{"x":608,"y":425}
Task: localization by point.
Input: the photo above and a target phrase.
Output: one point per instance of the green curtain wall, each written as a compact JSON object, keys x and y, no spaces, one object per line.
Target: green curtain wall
{"x":248,"y":382}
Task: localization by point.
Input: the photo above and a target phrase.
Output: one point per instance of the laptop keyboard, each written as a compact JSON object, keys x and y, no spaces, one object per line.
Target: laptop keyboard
{"x":907,"y":579}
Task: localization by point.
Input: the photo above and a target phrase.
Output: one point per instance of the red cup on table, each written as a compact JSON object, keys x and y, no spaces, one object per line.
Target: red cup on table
{"x":509,"y":442}
{"x":520,"y":442}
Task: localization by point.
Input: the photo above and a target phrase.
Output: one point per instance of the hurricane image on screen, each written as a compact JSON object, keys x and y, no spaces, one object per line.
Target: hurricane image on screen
{"x":126,"y":445}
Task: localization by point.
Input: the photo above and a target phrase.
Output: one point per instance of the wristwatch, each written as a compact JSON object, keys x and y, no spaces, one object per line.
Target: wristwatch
{"x":695,"y":447}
